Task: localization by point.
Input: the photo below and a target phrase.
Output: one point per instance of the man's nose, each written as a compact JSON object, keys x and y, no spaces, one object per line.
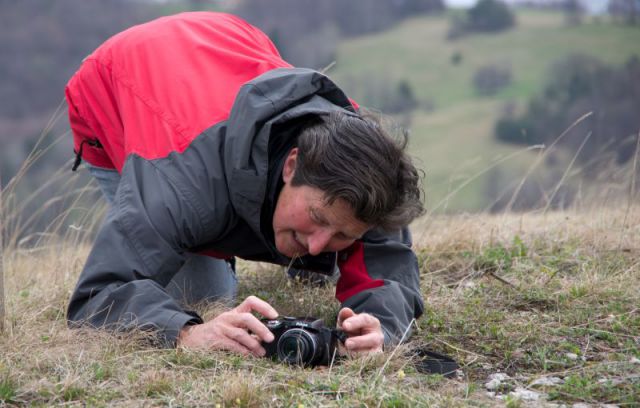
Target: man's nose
{"x":318,"y":241}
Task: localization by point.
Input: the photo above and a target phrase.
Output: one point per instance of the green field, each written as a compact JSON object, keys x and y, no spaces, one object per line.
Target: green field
{"x":455,"y":141}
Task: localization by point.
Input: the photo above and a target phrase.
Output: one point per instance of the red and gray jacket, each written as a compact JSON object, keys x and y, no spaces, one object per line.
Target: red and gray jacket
{"x":197,"y":112}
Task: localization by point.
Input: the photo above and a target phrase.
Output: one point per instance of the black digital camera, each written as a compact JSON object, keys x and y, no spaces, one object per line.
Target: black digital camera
{"x":304,"y":341}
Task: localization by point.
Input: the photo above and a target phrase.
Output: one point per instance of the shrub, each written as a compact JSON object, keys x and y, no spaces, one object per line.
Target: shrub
{"x":489,"y":79}
{"x":578,"y":85}
{"x":486,"y":16}
{"x":490,"y":16}
{"x":516,"y":131}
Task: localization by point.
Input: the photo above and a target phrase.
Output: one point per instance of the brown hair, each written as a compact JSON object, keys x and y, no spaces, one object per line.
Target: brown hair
{"x":351,"y":157}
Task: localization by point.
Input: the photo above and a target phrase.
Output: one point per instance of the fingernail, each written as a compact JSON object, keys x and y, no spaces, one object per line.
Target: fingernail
{"x":270,"y":338}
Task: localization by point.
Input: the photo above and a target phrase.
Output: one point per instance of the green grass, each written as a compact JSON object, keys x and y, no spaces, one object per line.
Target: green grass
{"x":455,"y":141}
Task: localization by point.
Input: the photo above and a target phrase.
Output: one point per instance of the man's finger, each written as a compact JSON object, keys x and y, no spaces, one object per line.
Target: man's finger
{"x":367,"y":342}
{"x":230,"y":345}
{"x":251,"y":323}
{"x":344,"y":314}
{"x":254,"y":304}
{"x":362,"y":321}
{"x":244,"y":339}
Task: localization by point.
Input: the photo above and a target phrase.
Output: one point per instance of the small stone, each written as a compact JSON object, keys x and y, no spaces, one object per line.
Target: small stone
{"x":547,"y":381}
{"x":611,"y":381}
{"x":495,"y":380}
{"x":493,"y":384}
{"x":580,"y":405}
{"x":491,"y":394}
{"x":571,"y":356}
{"x":634,"y":360}
{"x":524,"y":394}
{"x":499,"y":376}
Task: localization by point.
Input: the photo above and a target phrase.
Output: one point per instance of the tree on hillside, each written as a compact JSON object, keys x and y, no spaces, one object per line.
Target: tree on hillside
{"x":490,"y":79}
{"x":627,"y":11}
{"x":490,"y":16}
{"x":573,"y":12}
{"x":580,"y":84}
{"x":486,"y":16}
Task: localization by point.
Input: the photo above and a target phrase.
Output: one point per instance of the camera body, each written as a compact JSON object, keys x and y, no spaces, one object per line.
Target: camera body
{"x":304,"y":341}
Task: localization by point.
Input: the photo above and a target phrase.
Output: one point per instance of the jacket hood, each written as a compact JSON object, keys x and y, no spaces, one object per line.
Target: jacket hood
{"x":271,"y":99}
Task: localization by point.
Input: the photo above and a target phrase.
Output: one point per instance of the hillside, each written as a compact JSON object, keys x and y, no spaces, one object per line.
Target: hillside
{"x":454,"y":141}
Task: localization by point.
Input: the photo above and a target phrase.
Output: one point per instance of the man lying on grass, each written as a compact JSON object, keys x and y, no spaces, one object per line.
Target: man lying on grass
{"x":209,"y":146}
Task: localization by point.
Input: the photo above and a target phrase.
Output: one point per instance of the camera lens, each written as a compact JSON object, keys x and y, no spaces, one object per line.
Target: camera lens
{"x":297,"y":346}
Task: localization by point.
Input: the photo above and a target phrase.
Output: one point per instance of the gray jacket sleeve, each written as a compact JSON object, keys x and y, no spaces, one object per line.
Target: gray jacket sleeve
{"x":136,"y":253}
{"x":380,"y":275}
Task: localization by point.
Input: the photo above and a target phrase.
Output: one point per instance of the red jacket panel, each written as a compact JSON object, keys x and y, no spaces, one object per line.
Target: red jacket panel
{"x":153,"y":88}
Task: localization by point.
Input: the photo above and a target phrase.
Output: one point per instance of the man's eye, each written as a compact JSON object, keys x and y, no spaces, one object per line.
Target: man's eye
{"x":317,"y":219}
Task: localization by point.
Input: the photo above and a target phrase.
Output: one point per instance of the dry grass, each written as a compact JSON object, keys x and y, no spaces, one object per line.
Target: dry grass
{"x":505,"y":293}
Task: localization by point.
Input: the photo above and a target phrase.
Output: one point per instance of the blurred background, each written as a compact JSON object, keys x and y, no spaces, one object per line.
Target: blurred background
{"x":515,"y":106}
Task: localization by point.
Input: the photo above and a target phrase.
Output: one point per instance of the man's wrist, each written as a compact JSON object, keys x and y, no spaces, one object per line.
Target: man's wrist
{"x":185,"y":332}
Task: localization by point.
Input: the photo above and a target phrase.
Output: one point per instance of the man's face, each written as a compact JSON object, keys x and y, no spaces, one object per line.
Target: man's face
{"x":304,"y":224}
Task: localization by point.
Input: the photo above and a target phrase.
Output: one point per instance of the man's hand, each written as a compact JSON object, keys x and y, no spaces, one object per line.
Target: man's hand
{"x":235,"y":330}
{"x":364,"y":331}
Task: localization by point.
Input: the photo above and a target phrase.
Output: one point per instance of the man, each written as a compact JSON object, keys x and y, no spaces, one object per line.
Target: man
{"x":219,"y":147}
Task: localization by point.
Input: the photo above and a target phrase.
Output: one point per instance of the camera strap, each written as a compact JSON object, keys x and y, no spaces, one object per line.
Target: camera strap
{"x":430,"y":362}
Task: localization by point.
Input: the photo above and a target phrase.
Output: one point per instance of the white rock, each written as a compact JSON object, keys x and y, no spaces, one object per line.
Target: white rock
{"x":525,"y":394}
{"x":612,"y":381}
{"x":493,"y":384}
{"x":495,"y":380}
{"x":571,"y":356}
{"x":499,"y":376}
{"x":491,"y":394}
{"x":547,"y":381}
{"x":634,"y":360}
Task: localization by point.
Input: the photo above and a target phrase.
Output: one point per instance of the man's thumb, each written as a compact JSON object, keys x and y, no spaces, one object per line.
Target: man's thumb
{"x":344,"y":314}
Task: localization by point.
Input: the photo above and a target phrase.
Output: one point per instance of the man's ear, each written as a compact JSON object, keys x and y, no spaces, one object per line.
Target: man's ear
{"x":290,"y":165}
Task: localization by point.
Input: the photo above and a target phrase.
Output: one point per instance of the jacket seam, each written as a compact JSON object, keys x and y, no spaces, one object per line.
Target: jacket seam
{"x":262,"y":93}
{"x":191,"y":199}
{"x":124,"y":225}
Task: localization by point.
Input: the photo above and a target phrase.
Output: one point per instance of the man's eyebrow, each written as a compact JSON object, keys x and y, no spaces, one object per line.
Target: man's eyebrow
{"x":318,"y":215}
